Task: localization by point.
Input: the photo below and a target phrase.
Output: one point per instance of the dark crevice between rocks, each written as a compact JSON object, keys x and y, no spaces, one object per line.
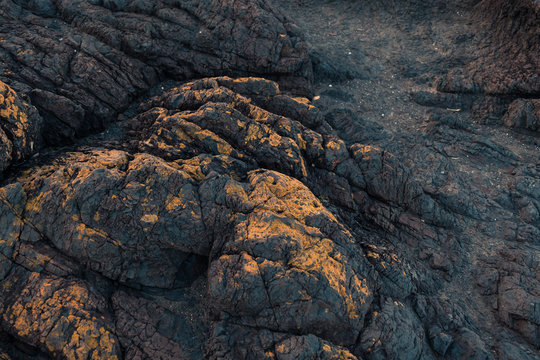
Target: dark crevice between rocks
{"x":18,"y":350}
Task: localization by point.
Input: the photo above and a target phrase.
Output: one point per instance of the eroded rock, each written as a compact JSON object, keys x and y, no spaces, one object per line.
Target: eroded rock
{"x":84,"y":62}
{"x":20,"y":128}
{"x":523,"y":114}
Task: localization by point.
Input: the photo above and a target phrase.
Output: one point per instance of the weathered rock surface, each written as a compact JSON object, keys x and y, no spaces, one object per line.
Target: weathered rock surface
{"x":137,"y":220}
{"x":509,"y":63}
{"x":84,"y":62}
{"x":506,"y":67}
{"x":523,"y":114}
{"x":222,"y":218}
{"x":20,"y":128}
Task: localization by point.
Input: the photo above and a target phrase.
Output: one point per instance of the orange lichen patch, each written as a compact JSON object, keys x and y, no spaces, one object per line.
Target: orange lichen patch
{"x":302,"y":144}
{"x":15,"y":233}
{"x":10,"y":110}
{"x":35,"y":204}
{"x":16,"y":112}
{"x":49,"y":309}
{"x":112,"y":159}
{"x":149,"y":218}
{"x":251,"y":267}
{"x":287,"y":125}
{"x":366,"y":149}
{"x":192,"y":167}
{"x":174,"y":202}
{"x":368,"y":152}
{"x":188,"y":132}
{"x":34,"y":260}
{"x":7,"y":245}
{"x":327,"y":348}
{"x":254,"y":132}
{"x":334,"y":145}
{"x":233,"y":187}
{"x":84,"y":234}
{"x":274,"y":139}
{"x":6,"y":285}
{"x":302,"y":100}
{"x":311,"y":347}
{"x":21,"y":52}
{"x":270,"y":88}
{"x":222,"y":147}
{"x":261,"y":116}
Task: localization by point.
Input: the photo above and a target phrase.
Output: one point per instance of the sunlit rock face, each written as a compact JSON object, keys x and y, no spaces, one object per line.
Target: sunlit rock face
{"x":151,"y":209}
{"x":257,"y":245}
{"x":204,"y":231}
{"x":20,"y":128}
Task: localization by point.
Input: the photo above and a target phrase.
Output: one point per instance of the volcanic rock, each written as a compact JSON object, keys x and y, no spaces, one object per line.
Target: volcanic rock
{"x":20,"y":128}
{"x":190,"y":201}
{"x":84,"y":62}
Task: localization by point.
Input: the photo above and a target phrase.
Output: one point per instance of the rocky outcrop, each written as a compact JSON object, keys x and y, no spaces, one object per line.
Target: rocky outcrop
{"x":504,"y":74}
{"x":20,"y":128}
{"x":324,"y":283}
{"x":271,"y":247}
{"x":523,"y":114}
{"x":225,"y":218}
{"x":508,"y":64}
{"x":184,"y":223}
{"x":84,"y":62}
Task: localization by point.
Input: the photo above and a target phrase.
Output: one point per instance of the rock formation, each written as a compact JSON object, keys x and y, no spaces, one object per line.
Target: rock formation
{"x":83,"y":62}
{"x":170,"y":189}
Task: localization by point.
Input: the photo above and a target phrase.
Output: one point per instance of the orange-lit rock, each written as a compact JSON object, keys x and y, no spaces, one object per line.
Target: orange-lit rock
{"x":171,"y":216}
{"x":20,"y":128}
{"x":61,"y":317}
{"x":281,"y":271}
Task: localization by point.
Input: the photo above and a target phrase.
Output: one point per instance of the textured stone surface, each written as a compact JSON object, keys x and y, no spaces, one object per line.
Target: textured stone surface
{"x":20,"y":128}
{"x":523,"y":114}
{"x":225,"y":218}
{"x":188,"y":194}
{"x":84,"y":62}
{"x":506,"y":67}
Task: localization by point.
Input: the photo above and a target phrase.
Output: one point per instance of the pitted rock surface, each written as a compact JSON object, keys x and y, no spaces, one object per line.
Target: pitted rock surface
{"x":20,"y":128}
{"x":232,"y":218}
{"x":84,"y":62}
